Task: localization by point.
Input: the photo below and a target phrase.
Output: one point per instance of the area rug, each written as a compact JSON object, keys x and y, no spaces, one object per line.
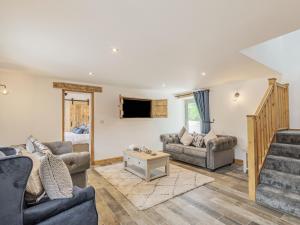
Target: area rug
{"x":144,"y":195}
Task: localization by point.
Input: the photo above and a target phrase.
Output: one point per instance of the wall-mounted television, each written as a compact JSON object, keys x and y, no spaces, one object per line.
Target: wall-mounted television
{"x":135,"y":108}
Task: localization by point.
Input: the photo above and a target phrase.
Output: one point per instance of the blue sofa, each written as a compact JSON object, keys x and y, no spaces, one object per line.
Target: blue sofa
{"x":14,"y":173}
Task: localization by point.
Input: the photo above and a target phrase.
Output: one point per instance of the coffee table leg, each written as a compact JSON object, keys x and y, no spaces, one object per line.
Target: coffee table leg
{"x":167,"y":167}
{"x":148,"y":173}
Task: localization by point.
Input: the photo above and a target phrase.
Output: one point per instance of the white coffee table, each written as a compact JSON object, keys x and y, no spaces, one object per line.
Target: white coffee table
{"x":146,"y":166}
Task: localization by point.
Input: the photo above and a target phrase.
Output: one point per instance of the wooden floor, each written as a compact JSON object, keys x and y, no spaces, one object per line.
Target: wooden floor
{"x":221,"y":202}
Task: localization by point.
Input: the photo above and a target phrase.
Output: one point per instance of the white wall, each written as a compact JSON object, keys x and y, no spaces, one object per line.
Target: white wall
{"x":294,"y":102}
{"x":230,"y":116}
{"x":33,"y":106}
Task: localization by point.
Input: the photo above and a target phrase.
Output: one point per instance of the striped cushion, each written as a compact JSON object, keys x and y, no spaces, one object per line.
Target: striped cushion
{"x":55,"y":177}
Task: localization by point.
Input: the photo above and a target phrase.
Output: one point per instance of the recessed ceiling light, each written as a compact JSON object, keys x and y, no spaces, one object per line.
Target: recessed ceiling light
{"x":203,"y":74}
{"x":164,"y":85}
{"x":91,"y":74}
{"x":115,"y":50}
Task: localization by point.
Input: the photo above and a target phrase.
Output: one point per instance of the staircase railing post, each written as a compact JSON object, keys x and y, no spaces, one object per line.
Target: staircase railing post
{"x":287,"y":106}
{"x":252,"y":157}
{"x":272,"y":82}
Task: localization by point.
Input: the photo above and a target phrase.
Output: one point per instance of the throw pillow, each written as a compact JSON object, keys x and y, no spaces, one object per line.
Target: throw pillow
{"x":198,"y":140}
{"x":29,"y":144}
{"x":181,"y":132}
{"x":2,"y":155}
{"x":55,"y":177}
{"x":34,"y":188}
{"x":37,"y":146}
{"x":210,"y":136}
{"x":186,"y":139}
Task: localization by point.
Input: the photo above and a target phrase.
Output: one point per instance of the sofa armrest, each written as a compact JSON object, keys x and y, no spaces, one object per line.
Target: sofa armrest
{"x":221,"y":143}
{"x":50,"y":208}
{"x":76,"y":161}
{"x":169,"y":138}
{"x":60,"y":147}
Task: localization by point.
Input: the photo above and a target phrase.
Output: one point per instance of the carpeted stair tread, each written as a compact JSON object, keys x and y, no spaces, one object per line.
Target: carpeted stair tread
{"x":283,"y":164}
{"x":288,"y":137}
{"x":277,"y":199}
{"x":284,"y":181}
{"x":287,"y":150}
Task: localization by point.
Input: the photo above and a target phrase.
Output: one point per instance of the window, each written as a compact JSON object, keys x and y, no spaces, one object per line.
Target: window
{"x":192,"y":118}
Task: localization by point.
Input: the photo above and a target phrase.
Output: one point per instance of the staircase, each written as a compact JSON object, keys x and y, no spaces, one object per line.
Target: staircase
{"x":279,"y":180}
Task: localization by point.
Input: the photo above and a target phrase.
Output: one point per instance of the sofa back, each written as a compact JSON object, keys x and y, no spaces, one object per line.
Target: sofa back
{"x":60,"y":147}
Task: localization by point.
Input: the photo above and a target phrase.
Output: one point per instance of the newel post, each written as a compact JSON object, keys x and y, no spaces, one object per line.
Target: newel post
{"x":272,"y":82}
{"x":252,"y":157}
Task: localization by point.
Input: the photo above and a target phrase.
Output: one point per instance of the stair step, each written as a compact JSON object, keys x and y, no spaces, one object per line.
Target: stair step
{"x":287,"y":150}
{"x":288,"y":137}
{"x":277,"y":199}
{"x":284,"y":181}
{"x":283,"y":164}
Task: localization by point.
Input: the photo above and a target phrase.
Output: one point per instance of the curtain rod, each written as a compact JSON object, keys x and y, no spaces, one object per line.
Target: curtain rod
{"x":189,"y":93}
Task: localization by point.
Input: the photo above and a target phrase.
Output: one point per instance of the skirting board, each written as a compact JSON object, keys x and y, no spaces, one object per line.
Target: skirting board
{"x":104,"y":162}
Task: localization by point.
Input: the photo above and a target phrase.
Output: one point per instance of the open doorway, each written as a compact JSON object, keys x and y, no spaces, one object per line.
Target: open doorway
{"x":78,"y":120}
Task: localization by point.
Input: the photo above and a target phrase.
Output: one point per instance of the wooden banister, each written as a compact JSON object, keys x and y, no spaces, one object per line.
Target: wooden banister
{"x":271,"y":115}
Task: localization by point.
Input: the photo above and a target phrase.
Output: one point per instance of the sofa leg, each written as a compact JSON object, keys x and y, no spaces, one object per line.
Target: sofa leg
{"x":212,"y":170}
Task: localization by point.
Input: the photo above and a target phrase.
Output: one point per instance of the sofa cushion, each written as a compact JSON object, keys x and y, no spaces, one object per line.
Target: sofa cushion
{"x":186,"y":139}
{"x":176,"y":148}
{"x":55,"y":177}
{"x":194,"y":151}
{"x":198,"y":140}
{"x":34,"y":188}
{"x":210,"y":136}
{"x":181,"y":132}
{"x":34,"y":145}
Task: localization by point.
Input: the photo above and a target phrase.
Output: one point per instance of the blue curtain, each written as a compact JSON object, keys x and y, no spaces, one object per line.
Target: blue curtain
{"x":202,"y":101}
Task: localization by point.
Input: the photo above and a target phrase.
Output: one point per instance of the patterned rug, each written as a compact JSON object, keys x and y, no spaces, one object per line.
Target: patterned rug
{"x":144,"y":195}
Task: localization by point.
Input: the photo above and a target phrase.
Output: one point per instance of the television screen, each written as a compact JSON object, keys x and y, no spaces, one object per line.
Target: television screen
{"x":134,"y":108}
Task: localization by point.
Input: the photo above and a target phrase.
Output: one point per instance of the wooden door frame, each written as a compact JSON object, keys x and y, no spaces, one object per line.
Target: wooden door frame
{"x":92,"y":121}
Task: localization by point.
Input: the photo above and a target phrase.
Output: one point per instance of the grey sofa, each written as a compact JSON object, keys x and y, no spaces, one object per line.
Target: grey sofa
{"x":218,"y":152}
{"x":77,"y":162}
{"x":14,"y":173}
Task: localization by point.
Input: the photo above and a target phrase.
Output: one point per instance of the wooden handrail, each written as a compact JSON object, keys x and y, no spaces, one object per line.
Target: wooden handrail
{"x":271,"y":115}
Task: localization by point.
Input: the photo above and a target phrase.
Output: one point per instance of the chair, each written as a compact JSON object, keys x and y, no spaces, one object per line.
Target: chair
{"x":14,"y":173}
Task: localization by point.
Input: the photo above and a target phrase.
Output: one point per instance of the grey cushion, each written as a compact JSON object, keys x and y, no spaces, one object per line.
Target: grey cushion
{"x":176,"y":148}
{"x":55,"y":177}
{"x":194,"y":151}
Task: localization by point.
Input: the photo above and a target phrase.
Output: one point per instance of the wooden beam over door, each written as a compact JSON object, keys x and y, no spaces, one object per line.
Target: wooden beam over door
{"x":77,"y":87}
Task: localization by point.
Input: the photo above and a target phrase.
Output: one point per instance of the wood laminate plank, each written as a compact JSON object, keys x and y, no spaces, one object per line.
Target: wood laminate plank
{"x":221,"y":202}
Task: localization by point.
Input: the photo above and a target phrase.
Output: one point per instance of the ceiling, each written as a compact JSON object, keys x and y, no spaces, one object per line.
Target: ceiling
{"x":281,"y":54}
{"x":169,"y":41}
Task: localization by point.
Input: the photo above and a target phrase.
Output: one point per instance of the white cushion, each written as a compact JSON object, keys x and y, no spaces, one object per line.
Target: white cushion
{"x":55,"y":177}
{"x":186,"y":139}
{"x":181,"y":132}
{"x":210,"y":136}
